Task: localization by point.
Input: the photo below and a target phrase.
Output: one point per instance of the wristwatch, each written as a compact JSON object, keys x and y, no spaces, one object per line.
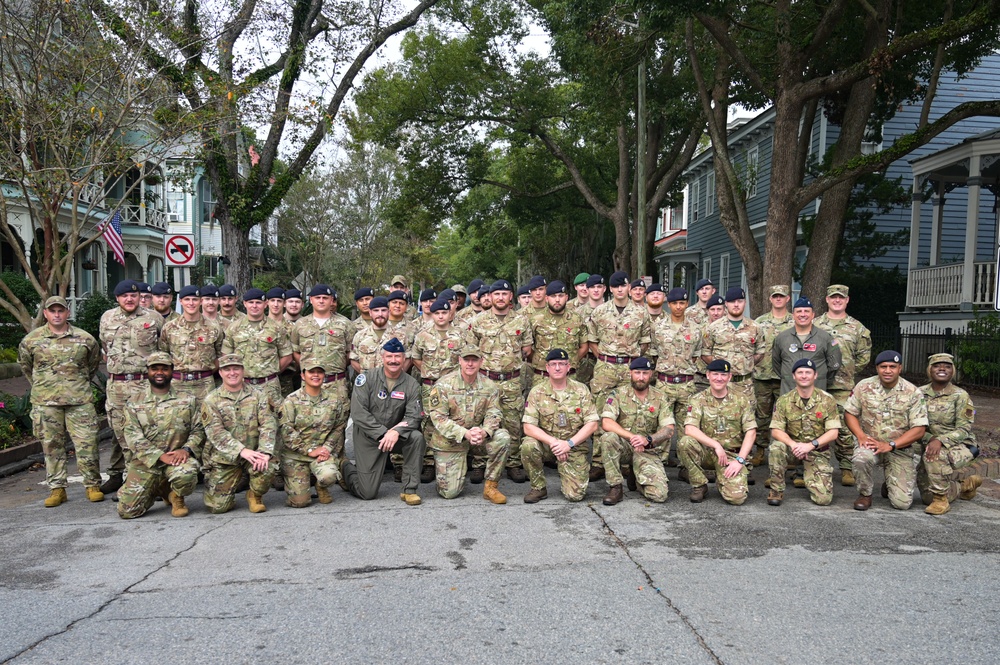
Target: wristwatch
{"x":741,"y":460}
{"x":649,"y":441}
{"x":570,"y":442}
{"x":815,"y":443}
{"x":892,"y":445}
{"x":188,"y":450}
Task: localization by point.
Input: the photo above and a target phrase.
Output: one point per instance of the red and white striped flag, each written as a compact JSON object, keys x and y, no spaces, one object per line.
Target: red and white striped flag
{"x":113,"y":236}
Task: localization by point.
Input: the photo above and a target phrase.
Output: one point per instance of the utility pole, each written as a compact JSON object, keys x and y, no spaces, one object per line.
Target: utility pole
{"x":640,"y":222}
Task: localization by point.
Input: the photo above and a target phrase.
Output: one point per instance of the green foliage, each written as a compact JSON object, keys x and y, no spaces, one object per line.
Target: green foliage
{"x":15,"y":419}
{"x":8,"y":355}
{"x":89,"y":311}
{"x":11,"y":331}
{"x":977,"y":351}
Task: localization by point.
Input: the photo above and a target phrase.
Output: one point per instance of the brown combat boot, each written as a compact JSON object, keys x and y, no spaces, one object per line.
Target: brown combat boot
{"x":427,"y":474}
{"x":94,"y":494}
{"x":939,"y":506}
{"x":698,"y":493}
{"x":884,"y":491}
{"x":256,"y":505}
{"x":629,"y":474}
{"x":614,"y":495}
{"x":596,"y":473}
{"x":774,"y":498}
{"x":56,"y":497}
{"x":323,"y":494}
{"x":969,"y":487}
{"x":847,"y":478}
{"x":517,"y":474}
{"x":492,"y":493}
{"x":863,"y":503}
{"x":683,"y":474}
{"x":477,"y":475}
{"x":534,"y":496}
{"x":177,"y":506}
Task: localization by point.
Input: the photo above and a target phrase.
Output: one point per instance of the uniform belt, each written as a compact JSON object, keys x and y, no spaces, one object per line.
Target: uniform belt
{"x":133,"y":376}
{"x":428,"y":382}
{"x":500,"y":376}
{"x":542,"y":372}
{"x":193,"y":376}
{"x":675,"y":378}
{"x":330,"y":378}
{"x":257,"y":380}
{"x":741,"y":377}
{"x":615,"y":360}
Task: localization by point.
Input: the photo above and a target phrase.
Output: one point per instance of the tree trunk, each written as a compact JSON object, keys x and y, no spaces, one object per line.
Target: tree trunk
{"x":236,"y":247}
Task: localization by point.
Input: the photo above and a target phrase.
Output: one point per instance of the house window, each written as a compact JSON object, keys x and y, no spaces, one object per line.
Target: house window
{"x":676,"y":218}
{"x":710,"y":193}
{"x":175,"y":205}
{"x":750,"y":176}
{"x":706,"y":269}
{"x":207,"y":201}
{"x":723,"y":272}
{"x":695,"y":191}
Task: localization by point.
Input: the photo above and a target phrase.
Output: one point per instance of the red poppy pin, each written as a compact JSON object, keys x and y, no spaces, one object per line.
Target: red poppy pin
{"x":450,"y":345}
{"x":753,"y":340}
{"x":819,"y":415}
{"x":270,"y":339}
{"x":146,"y":324}
{"x":201,"y":339}
{"x":569,"y":330}
{"x":652,"y":410}
{"x":517,"y":332}
{"x":687,"y":338}
{"x":626,"y":326}
{"x":330,"y":332}
{"x":578,"y":409}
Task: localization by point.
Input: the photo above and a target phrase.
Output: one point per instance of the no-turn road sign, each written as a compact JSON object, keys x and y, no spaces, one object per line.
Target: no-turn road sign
{"x":179,"y":250}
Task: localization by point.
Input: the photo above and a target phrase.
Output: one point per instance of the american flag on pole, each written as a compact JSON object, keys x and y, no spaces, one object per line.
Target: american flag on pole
{"x":113,"y":236}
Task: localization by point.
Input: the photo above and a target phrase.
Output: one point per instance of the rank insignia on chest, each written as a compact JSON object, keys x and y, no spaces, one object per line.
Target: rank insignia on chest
{"x":382,"y":394}
{"x":809,"y":347}
{"x":398,"y":394}
{"x":562,"y":419}
{"x":793,"y":348}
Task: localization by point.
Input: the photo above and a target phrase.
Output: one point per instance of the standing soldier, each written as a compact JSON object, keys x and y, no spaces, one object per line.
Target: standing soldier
{"x":399,"y":283}
{"x":263,"y":346}
{"x":240,"y":433}
{"x":293,"y":306}
{"x":458,"y":304}
{"x":558,"y":327}
{"x":536,"y":289}
{"x":855,"y":343}
{"x":276,"y":304}
{"x":637,"y":292}
{"x":128,"y":335}
{"x":58,"y":360}
{"x":805,"y":423}
{"x":145,"y":295}
{"x":464,"y":409}
{"x":736,"y":339}
{"x":210,"y":303}
{"x":165,"y":435}
{"x":427,"y":298}
{"x":887,"y":414}
{"x":366,"y":346}
{"x":638,"y":424}
{"x":362,"y":299}
{"x":704,"y":289}
{"x":559,"y":418}
{"x":505,"y":338}
{"x":163,"y":301}
{"x":580,"y":286}
{"x":227,"y":306}
{"x":194,"y":344}
{"x":398,"y":322}
{"x":654,"y":303}
{"x":766,"y":382}
{"x":467,"y":314}
{"x":618,"y":332}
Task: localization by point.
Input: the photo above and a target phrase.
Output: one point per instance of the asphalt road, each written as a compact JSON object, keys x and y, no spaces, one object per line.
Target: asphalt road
{"x":463,"y":580}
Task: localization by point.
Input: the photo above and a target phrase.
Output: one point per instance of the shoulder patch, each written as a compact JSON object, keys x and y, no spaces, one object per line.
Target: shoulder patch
{"x":360,"y":381}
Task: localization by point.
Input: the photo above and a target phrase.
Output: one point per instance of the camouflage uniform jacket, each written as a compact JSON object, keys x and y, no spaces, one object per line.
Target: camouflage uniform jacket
{"x":557,"y":331}
{"x":234,"y":421}
{"x":883,"y":414}
{"x":455,"y":407}
{"x":171,"y":315}
{"x":805,"y":421}
{"x":950,"y":415}
{"x":157,"y":424}
{"x":642,"y":417}
{"x":501,"y":338}
{"x":129,"y":338}
{"x":306,"y":423}
{"x":560,"y":413}
{"x":769,"y":327}
{"x":439,"y":352}
{"x":737,"y":345}
{"x":698,"y":313}
{"x":677,"y":346}
{"x":360,"y":323}
{"x":59,"y":366}
{"x":329,"y":343}
{"x":366,"y":347}
{"x":261,"y":343}
{"x":619,"y":334}
{"x":193,"y":346}
{"x":227,"y":321}
{"x":855,"y":342}
{"x":400,"y":330}
{"x":819,"y":346}
{"x":466,"y":314}
{"x":726,"y":420}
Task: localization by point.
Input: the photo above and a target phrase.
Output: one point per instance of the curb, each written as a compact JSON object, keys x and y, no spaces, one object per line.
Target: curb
{"x":22,"y":465}
{"x":988,"y":467}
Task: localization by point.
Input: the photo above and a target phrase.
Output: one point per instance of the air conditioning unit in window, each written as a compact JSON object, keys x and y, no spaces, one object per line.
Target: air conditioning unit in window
{"x":173,"y":217}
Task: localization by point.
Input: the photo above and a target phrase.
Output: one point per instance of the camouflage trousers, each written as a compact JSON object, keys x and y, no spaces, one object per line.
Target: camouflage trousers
{"x":512,"y":409}
{"x":221,"y":481}
{"x":843,"y":447}
{"x":745,"y":388}
{"x":680,"y":395}
{"x":427,"y":428}
{"x":818,"y":471}
{"x":120,"y":393}
{"x":143,"y":484}
{"x":450,"y":465}
{"x":766,"y":393}
{"x":585,"y":370}
{"x":650,"y":476}
{"x":272,"y":389}
{"x":574,"y":473}
{"x":900,"y":474}
{"x":50,"y":424}
{"x":696,"y":457}
{"x":290,"y":381}
{"x":338,"y":390}
{"x":297,"y":469}
{"x":936,"y":477}
{"x":607,"y":377}
{"x":199,"y":388}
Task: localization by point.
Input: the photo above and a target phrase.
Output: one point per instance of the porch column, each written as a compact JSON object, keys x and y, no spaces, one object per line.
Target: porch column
{"x":936,"y":223}
{"x":915,"y":200}
{"x":971,"y":235}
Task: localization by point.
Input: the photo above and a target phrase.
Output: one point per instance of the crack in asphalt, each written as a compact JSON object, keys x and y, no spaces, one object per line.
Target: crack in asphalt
{"x":120,"y":594}
{"x":649,"y":578}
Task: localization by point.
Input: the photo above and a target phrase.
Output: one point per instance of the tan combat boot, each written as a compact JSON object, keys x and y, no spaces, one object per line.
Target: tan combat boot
{"x":323,"y":494}
{"x":410,"y":499}
{"x":95,"y":495}
{"x":847,"y":478}
{"x":969,"y":487}
{"x":177,"y":506}
{"x":492,"y":493}
{"x":256,"y":505}
{"x":939,"y":506}
{"x":56,"y":496}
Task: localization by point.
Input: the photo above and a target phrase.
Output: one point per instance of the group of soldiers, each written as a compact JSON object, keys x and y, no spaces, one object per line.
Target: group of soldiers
{"x":471,"y":382}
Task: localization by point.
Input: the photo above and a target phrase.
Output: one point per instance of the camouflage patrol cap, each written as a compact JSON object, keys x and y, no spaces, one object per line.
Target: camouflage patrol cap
{"x":229,"y":359}
{"x":398,"y":279}
{"x":159,"y":358}
{"x":941,"y":358}
{"x":777,"y":290}
{"x":458,"y":288}
{"x":56,"y":300}
{"x":469,"y":351}
{"x":312,"y":363}
{"x":837,"y":290}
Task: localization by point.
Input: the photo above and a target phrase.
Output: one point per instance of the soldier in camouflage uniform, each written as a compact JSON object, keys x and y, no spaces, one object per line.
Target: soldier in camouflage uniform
{"x":227,"y":306}
{"x":887,"y":414}
{"x":464,"y":408}
{"x":366,"y":345}
{"x":741,"y":345}
{"x":593,"y":296}
{"x":210,"y":303}
{"x":290,"y":378}
{"x":324,"y":337}
{"x":308,"y":421}
{"x":128,"y":334}
{"x":766,"y":382}
{"x":163,"y":301}
{"x":559,"y":417}
{"x":275,"y":297}
{"x":557,"y":327}
{"x":719,"y":431}
{"x":704,"y":289}
{"x":293,"y":307}
{"x":638,"y":424}
{"x":398,"y":325}
{"x":194,"y":344}
{"x":804,"y":424}
{"x":145,"y":295}
{"x":58,"y":360}
{"x":855,"y":342}
{"x":945,"y":447}
{"x":362,"y":300}
{"x":504,"y":337}
{"x":263,"y":345}
{"x":582,"y":295}
{"x":165,"y":435}
{"x":240,"y":431}
{"x":655,"y":297}
{"x":468,"y":313}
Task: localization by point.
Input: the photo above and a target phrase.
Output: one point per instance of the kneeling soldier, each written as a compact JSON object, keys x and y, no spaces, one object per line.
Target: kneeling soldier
{"x":240,"y":429}
{"x":164,"y":434}
{"x":638,"y":424}
{"x":805,"y":422}
{"x":309,"y":418}
{"x":719,"y":430}
{"x":464,"y":408}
